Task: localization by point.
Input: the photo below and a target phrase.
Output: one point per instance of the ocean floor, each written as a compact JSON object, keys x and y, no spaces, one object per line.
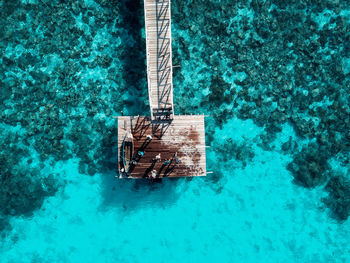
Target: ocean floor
{"x":274,"y":78}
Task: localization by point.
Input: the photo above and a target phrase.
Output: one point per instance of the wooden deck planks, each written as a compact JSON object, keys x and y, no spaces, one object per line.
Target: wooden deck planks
{"x":185,"y":136}
{"x":159,"y":54}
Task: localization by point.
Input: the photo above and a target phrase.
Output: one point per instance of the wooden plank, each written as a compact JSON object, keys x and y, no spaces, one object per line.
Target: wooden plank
{"x":160,"y":96}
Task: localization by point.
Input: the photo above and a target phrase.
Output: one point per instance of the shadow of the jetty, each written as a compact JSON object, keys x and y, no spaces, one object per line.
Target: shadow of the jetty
{"x":133,"y":57}
{"x":131,"y":194}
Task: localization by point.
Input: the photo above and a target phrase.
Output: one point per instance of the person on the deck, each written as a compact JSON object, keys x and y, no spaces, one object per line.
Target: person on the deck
{"x":146,"y":142}
{"x":176,"y":159}
{"x":153,"y":175}
{"x":171,"y":166}
{"x":140,"y":153}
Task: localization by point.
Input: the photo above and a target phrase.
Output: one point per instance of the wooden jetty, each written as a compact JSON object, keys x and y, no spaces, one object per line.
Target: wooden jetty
{"x":159,"y":56}
{"x":164,"y":144}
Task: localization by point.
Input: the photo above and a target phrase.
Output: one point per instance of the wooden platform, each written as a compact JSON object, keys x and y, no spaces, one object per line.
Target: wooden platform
{"x":183,"y":136}
{"x":159,"y":55}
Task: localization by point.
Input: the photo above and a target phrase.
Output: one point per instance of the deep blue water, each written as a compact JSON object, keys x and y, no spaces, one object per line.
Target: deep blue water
{"x":273,"y":75}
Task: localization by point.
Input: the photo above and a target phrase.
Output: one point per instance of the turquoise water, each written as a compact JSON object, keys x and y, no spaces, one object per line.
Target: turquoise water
{"x":274,"y":76}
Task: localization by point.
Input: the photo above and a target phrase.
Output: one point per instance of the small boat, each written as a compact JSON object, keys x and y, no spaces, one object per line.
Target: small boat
{"x":127,"y":151}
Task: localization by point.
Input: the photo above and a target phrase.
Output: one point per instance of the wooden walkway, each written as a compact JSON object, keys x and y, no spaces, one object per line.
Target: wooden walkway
{"x":159,"y":58}
{"x":184,"y":137}
{"x":177,"y":147}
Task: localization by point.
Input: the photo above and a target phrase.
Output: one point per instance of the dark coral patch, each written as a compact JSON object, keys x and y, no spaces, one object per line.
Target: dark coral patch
{"x":309,"y":166}
{"x":338,"y":200}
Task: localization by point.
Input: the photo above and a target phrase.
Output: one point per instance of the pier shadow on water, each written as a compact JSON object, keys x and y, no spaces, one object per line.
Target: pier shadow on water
{"x":132,"y":194}
{"x":133,"y":57}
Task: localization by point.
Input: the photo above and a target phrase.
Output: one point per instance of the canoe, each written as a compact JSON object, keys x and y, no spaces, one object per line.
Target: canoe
{"x":127,"y":151}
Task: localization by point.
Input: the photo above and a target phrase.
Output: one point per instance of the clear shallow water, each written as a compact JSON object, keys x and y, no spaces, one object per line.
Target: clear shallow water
{"x":256,"y":214}
{"x":249,"y":209}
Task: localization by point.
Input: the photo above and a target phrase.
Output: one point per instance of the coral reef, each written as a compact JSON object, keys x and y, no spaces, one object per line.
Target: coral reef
{"x":239,"y":151}
{"x":338,"y":200}
{"x":309,"y":166}
{"x":62,"y":85}
{"x":288,"y":76}
{"x":23,"y":187}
